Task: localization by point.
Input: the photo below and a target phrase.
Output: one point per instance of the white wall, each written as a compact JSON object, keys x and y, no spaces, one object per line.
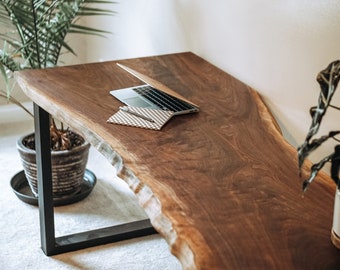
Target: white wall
{"x":140,"y":28}
{"x":277,"y":47}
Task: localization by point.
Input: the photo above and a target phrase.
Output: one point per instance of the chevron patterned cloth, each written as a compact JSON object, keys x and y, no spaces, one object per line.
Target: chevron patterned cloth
{"x":141,"y":117}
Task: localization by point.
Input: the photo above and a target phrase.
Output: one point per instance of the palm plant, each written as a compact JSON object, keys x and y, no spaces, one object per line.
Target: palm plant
{"x":34,"y":34}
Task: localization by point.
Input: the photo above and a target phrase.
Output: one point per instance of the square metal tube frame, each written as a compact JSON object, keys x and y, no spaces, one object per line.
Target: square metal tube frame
{"x":50,"y":244}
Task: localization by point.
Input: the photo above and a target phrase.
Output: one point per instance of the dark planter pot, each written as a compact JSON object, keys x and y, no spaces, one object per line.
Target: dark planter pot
{"x":68,"y":168}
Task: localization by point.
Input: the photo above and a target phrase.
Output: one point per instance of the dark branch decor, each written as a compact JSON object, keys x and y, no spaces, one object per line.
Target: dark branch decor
{"x":328,"y":80}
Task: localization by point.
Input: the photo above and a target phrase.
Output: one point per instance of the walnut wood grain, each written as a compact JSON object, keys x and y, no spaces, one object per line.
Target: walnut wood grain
{"x":221,"y":186}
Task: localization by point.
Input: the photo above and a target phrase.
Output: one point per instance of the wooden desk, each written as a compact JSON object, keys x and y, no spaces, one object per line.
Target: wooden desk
{"x":221,"y":186}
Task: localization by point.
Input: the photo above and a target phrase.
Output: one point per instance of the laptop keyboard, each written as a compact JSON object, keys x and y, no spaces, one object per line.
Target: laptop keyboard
{"x":163,"y":100}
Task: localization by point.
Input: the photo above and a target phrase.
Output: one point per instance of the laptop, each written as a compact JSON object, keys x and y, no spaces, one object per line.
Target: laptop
{"x":153,"y":95}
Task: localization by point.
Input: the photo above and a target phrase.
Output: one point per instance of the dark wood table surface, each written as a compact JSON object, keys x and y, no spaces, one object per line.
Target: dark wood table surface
{"x":221,"y":186}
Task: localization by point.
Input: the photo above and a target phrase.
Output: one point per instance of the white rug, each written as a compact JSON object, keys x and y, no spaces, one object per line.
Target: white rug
{"x":111,"y":202}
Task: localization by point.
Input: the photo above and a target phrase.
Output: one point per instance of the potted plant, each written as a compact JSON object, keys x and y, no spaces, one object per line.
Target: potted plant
{"x":33,"y":38}
{"x":328,"y":80}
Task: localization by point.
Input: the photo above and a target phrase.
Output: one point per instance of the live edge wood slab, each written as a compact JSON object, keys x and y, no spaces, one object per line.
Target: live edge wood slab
{"x":221,"y":186}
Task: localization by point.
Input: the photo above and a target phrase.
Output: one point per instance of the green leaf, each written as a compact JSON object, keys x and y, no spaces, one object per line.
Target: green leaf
{"x":42,"y":26}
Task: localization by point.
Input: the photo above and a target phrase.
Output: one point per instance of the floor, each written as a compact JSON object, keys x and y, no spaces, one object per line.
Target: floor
{"x":111,"y":202}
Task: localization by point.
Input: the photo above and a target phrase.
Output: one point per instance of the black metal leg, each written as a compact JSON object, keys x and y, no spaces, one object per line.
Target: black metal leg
{"x":45,"y":197}
{"x":49,"y":243}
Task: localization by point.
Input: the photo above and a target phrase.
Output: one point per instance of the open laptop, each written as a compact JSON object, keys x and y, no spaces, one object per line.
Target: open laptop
{"x":153,"y":95}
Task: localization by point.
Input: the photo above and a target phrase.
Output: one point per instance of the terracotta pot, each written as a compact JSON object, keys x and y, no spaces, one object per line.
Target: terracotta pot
{"x":68,"y":168}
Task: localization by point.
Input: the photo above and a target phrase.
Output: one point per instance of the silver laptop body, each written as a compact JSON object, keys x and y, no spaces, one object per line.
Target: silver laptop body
{"x":153,"y":95}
